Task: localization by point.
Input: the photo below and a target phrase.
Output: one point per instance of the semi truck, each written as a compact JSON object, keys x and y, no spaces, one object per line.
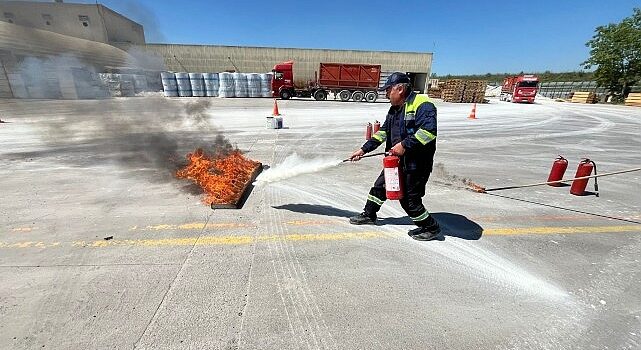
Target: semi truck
{"x":520,"y":88}
{"x":355,"y":82}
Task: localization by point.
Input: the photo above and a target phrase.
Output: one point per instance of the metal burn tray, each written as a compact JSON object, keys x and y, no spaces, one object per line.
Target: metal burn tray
{"x":245,"y":193}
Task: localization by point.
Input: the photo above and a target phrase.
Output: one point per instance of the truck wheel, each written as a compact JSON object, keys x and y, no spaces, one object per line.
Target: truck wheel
{"x":344,"y":95}
{"x":320,"y":95}
{"x":285,"y":94}
{"x":371,"y":96}
{"x":357,"y":96}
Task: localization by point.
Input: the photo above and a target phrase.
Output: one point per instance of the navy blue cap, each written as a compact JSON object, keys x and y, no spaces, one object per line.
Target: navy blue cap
{"x":395,"y":78}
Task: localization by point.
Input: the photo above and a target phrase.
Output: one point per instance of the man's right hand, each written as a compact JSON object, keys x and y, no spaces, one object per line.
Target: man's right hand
{"x":357,"y":155}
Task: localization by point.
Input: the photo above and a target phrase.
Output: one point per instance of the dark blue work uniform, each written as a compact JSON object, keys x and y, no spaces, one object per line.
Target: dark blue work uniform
{"x":413,"y":124}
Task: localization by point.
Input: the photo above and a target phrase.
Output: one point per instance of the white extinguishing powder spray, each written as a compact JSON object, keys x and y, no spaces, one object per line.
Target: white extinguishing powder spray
{"x":294,"y":165}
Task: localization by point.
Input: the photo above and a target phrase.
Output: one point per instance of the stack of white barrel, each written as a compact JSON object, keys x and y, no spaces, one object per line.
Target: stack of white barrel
{"x":253,"y":84}
{"x":240,"y":85}
{"x":211,"y":84}
{"x":226,"y":88}
{"x":197,"y":84}
{"x":266,"y":84}
{"x":184,"y":84}
{"x":221,"y":84}
{"x":169,"y":84}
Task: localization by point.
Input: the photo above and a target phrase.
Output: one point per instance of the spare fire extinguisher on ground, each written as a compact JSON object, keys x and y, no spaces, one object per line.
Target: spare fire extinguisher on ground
{"x":368,"y":131}
{"x":558,"y":169}
{"x":377,"y":127}
{"x":584,"y":169}
{"x":393,"y":177}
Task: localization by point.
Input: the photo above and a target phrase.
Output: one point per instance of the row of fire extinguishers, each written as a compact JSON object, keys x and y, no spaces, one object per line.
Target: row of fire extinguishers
{"x":578,"y":186}
{"x":371,"y":129}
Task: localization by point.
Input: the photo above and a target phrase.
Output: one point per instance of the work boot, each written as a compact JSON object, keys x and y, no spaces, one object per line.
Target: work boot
{"x":426,"y":233}
{"x":363,"y":219}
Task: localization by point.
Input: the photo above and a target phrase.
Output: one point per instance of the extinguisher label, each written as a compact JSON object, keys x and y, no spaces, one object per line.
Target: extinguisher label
{"x":392,"y":181}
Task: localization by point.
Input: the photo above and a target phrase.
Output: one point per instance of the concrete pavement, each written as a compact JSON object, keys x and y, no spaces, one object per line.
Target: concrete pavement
{"x":533,"y":268}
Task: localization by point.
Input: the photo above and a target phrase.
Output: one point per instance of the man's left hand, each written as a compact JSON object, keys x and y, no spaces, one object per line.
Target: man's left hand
{"x":398,"y":149}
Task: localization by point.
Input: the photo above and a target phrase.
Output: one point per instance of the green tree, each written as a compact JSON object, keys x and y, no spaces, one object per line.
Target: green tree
{"x":615,"y":50}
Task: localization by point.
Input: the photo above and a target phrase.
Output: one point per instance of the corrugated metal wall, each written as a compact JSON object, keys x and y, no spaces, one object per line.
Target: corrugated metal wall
{"x":209,"y":58}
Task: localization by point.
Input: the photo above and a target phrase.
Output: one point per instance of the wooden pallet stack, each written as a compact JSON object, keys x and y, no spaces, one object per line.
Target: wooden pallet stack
{"x":434,"y":92}
{"x":453,"y":90}
{"x":474,"y":91}
{"x":584,"y":97}
{"x":633,"y":99}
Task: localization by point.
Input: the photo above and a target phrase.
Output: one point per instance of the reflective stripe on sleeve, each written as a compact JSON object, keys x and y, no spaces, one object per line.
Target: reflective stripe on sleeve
{"x":380,"y":136}
{"x":423,"y":136}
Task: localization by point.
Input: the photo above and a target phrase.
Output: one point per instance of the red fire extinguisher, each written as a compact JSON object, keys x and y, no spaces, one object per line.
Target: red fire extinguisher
{"x":558,"y":169}
{"x":377,"y":127}
{"x":368,"y":131}
{"x":584,"y":169}
{"x":393,"y":177}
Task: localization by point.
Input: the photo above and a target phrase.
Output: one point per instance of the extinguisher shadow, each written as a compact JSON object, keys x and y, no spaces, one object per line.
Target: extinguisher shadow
{"x":459,"y":226}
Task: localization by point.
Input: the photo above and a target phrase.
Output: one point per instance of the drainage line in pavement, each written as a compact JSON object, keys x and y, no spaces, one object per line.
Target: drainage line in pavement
{"x":568,"y":209}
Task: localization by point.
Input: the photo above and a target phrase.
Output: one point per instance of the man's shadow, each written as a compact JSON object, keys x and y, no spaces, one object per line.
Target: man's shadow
{"x":453,"y":225}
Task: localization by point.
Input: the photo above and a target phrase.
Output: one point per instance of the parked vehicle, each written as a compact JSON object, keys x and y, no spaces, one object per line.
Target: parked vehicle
{"x":356,"y":82}
{"x":521,"y":88}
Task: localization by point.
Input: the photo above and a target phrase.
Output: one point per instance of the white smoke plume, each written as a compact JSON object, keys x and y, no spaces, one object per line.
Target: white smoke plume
{"x":294,"y":165}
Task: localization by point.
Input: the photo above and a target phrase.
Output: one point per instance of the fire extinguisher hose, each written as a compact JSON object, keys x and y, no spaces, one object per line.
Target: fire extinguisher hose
{"x":481,"y":189}
{"x":365,"y":156}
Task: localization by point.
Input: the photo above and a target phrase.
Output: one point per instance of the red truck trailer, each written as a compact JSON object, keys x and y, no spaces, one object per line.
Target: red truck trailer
{"x":356,"y":82}
{"x":521,"y":88}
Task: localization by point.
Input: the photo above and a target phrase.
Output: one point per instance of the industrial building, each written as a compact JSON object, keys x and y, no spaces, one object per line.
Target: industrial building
{"x":92,"y":22}
{"x":57,"y":49}
{"x":213,"y":58}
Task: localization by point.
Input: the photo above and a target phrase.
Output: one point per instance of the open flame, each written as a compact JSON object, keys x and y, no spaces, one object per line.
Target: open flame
{"x":223,"y":178}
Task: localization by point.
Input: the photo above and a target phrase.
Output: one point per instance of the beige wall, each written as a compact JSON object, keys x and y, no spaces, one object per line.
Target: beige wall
{"x":18,"y":42}
{"x":120,"y":28}
{"x":103,"y":25}
{"x":210,"y":58}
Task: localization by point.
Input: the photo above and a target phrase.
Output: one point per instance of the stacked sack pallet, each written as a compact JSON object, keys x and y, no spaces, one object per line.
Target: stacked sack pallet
{"x":474,"y":91}
{"x":584,"y":97}
{"x":453,"y":90}
{"x":633,"y":99}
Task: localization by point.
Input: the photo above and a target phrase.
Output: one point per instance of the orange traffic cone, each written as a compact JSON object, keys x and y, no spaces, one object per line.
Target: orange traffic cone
{"x":275,"y":112}
{"x":473,"y":113}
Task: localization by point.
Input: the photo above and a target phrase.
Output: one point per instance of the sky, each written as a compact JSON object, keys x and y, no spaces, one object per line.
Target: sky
{"x":475,"y":37}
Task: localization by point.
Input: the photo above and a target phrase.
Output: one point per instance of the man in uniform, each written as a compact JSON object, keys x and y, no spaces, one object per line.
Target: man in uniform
{"x":409,"y":132}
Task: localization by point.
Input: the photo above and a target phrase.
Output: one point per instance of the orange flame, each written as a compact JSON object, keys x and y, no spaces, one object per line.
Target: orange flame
{"x":222,"y":178}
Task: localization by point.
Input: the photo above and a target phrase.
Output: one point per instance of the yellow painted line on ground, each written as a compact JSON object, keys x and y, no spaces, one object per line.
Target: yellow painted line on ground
{"x":189,"y":226}
{"x":213,"y":225}
{"x":309,"y":222}
{"x":23,"y":229}
{"x":240,"y":240}
{"x":228,"y":240}
{"x":201,"y":241}
{"x":560,"y":230}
